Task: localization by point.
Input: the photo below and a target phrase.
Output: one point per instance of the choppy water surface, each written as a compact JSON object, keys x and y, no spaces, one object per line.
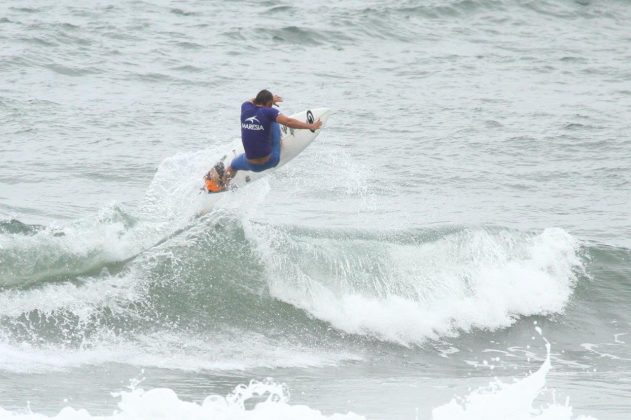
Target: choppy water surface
{"x":455,"y":244}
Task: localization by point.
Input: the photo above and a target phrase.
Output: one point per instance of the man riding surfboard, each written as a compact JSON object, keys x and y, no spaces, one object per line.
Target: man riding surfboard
{"x":260,"y":134}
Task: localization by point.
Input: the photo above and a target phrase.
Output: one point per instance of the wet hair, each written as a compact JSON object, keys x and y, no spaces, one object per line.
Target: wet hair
{"x":264,"y":97}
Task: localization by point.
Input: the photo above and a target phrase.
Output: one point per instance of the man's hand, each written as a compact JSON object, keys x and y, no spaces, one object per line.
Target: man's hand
{"x":294,"y":123}
{"x":276,"y":100}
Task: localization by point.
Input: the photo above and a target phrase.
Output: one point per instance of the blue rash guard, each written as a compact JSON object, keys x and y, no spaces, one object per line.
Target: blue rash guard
{"x":260,"y":134}
{"x":256,"y":128}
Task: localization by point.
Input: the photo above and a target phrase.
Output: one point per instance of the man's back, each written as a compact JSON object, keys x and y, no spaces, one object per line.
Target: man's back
{"x":256,"y":122}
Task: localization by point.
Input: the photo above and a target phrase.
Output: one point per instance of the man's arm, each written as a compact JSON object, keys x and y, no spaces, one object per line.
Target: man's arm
{"x":294,"y":123}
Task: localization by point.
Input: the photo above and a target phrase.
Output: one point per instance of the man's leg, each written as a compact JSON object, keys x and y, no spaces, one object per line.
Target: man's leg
{"x":275,"y":158}
{"x":239,"y":163}
{"x":216,"y":181}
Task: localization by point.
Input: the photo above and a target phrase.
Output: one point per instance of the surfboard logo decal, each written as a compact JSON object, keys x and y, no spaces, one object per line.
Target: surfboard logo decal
{"x":310,"y":118}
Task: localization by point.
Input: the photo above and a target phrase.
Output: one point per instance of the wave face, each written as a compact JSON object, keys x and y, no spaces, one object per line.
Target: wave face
{"x":227,"y":279}
{"x":154,"y":277}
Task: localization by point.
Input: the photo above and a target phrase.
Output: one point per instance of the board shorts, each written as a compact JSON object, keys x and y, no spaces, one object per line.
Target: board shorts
{"x":240,"y":163}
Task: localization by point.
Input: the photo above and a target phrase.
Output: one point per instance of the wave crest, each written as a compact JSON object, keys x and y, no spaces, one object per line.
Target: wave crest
{"x":408,"y":290}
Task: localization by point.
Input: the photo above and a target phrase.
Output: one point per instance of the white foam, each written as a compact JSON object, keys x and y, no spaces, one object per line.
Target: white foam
{"x":497,"y":401}
{"x":163,"y":403}
{"x":407,"y":293}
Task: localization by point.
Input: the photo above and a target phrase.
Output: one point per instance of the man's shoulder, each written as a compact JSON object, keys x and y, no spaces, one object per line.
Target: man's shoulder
{"x":273,"y":112}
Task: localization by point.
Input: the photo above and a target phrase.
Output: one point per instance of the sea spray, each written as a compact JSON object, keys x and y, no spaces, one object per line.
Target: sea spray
{"x":509,"y":401}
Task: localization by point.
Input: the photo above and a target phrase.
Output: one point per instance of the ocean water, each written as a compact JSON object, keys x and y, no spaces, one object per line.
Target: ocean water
{"x":456,"y":244}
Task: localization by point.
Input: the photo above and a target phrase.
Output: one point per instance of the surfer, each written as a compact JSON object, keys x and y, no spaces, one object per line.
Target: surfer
{"x":260,"y":134}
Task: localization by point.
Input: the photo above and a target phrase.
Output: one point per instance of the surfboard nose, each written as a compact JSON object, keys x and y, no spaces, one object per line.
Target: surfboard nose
{"x":321,"y":113}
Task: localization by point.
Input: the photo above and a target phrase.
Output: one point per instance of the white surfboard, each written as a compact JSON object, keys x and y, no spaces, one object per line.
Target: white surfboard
{"x":293,"y":141}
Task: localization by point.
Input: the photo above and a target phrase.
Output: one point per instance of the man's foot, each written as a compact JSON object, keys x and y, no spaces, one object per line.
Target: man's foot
{"x":215,"y":180}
